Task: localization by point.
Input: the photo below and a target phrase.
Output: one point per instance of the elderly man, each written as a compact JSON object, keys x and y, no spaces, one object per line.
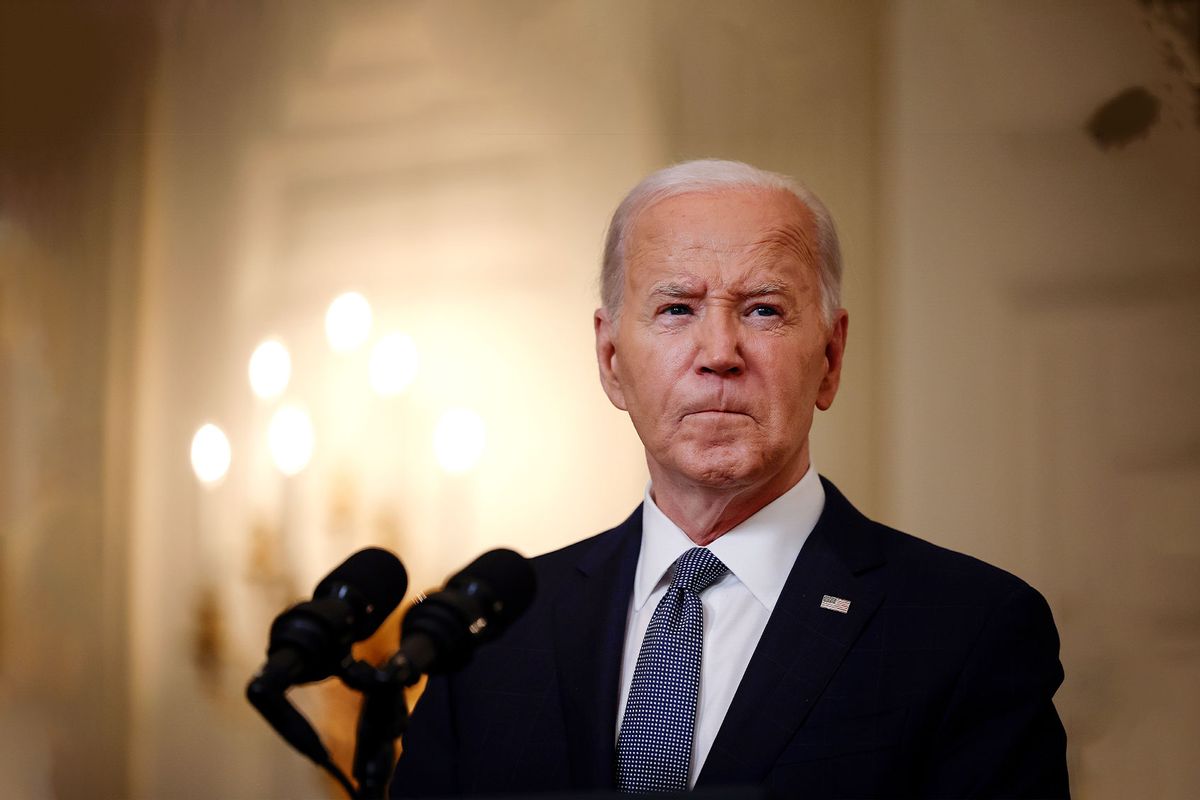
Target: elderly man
{"x":746,"y":625}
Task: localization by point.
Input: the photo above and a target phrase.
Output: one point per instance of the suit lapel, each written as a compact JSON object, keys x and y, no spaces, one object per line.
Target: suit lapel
{"x":589,"y":636}
{"x":801,"y":647}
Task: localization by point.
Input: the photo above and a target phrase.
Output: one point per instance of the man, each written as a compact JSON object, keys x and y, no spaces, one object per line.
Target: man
{"x":746,"y":625}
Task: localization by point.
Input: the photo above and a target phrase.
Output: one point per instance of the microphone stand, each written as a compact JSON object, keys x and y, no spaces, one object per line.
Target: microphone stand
{"x":382,"y":720}
{"x":269,"y":698}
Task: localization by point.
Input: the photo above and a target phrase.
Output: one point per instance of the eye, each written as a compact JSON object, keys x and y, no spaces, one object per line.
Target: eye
{"x":677,"y":310}
{"x":764,"y":311}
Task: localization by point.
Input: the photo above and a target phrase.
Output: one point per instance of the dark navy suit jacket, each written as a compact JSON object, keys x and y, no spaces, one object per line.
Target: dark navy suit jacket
{"x":938,"y":681}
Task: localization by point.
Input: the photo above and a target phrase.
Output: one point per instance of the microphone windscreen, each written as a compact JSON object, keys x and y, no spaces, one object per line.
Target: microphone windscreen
{"x":379,"y":580}
{"x":505,"y":576}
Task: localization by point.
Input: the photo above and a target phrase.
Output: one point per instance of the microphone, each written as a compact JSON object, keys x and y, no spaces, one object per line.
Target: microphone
{"x":310,"y":640}
{"x":477,"y":604}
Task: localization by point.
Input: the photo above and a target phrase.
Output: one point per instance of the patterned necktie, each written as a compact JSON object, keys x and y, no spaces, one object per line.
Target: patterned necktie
{"x":654,"y":747}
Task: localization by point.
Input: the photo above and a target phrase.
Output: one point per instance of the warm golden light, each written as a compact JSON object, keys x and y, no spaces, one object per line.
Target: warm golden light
{"x":270,"y":369}
{"x":348,"y":322}
{"x":393,"y":364}
{"x":211,"y":454}
{"x":290,"y":439}
{"x":458,"y":439}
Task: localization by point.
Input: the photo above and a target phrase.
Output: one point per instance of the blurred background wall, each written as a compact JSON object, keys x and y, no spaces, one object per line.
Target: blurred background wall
{"x":1017,"y":186}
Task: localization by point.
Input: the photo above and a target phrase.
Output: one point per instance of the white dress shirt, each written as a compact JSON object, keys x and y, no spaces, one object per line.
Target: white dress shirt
{"x":759,"y":553}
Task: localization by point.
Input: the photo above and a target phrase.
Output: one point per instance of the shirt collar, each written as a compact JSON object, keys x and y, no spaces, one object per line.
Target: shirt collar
{"x":759,"y":552}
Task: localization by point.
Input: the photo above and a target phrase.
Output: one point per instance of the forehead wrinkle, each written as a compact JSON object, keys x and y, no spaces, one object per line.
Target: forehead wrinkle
{"x":766,"y":251}
{"x":676,"y":245}
{"x":786,"y":240}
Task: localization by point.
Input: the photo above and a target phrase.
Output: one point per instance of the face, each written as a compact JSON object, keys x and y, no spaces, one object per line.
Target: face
{"x":720,"y":353}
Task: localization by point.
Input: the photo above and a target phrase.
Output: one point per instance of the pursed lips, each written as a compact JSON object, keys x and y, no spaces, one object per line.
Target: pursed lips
{"x":720,"y":411}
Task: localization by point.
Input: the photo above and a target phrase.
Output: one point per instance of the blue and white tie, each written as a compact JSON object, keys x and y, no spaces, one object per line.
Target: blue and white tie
{"x":654,"y":747}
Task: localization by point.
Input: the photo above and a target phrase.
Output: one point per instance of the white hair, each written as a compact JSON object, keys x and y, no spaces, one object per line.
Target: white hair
{"x":706,"y":175}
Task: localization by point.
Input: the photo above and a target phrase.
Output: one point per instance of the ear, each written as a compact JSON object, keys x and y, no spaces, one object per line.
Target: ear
{"x":606,"y":357}
{"x":835,"y":349}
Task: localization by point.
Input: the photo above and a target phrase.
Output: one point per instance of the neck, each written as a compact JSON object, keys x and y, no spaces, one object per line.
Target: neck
{"x":706,"y":513}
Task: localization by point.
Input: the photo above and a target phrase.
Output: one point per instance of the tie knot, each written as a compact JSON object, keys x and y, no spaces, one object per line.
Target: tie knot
{"x":697,"y":569}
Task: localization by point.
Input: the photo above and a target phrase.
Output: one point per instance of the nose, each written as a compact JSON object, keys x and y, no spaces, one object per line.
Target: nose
{"x":719,"y":349}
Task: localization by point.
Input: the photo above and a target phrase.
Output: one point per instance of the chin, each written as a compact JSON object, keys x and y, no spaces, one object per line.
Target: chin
{"x":721,"y":467}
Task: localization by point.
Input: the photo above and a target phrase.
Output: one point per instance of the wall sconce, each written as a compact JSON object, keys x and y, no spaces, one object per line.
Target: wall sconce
{"x":348,"y":322}
{"x":211,"y":454}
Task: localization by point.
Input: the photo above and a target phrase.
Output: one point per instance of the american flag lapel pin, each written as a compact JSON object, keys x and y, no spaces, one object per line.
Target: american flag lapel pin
{"x":831,"y":603}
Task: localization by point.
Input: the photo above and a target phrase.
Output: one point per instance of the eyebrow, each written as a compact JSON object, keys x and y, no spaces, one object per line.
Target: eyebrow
{"x":675,"y":290}
{"x":680,"y":291}
{"x":763,"y":289}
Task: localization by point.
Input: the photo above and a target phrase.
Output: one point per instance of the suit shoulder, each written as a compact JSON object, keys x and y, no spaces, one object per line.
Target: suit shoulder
{"x":916,"y":570}
{"x":923,"y":567}
{"x":570,"y":553}
{"x":557,"y":571}
{"x":592,"y":549}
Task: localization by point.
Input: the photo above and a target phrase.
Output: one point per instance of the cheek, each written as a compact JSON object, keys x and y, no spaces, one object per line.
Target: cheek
{"x":656,"y":367}
{"x":670,"y":352}
{"x":793,"y":378}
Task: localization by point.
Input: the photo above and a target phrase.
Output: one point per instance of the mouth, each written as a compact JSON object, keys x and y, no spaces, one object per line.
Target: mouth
{"x":715,"y":413}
